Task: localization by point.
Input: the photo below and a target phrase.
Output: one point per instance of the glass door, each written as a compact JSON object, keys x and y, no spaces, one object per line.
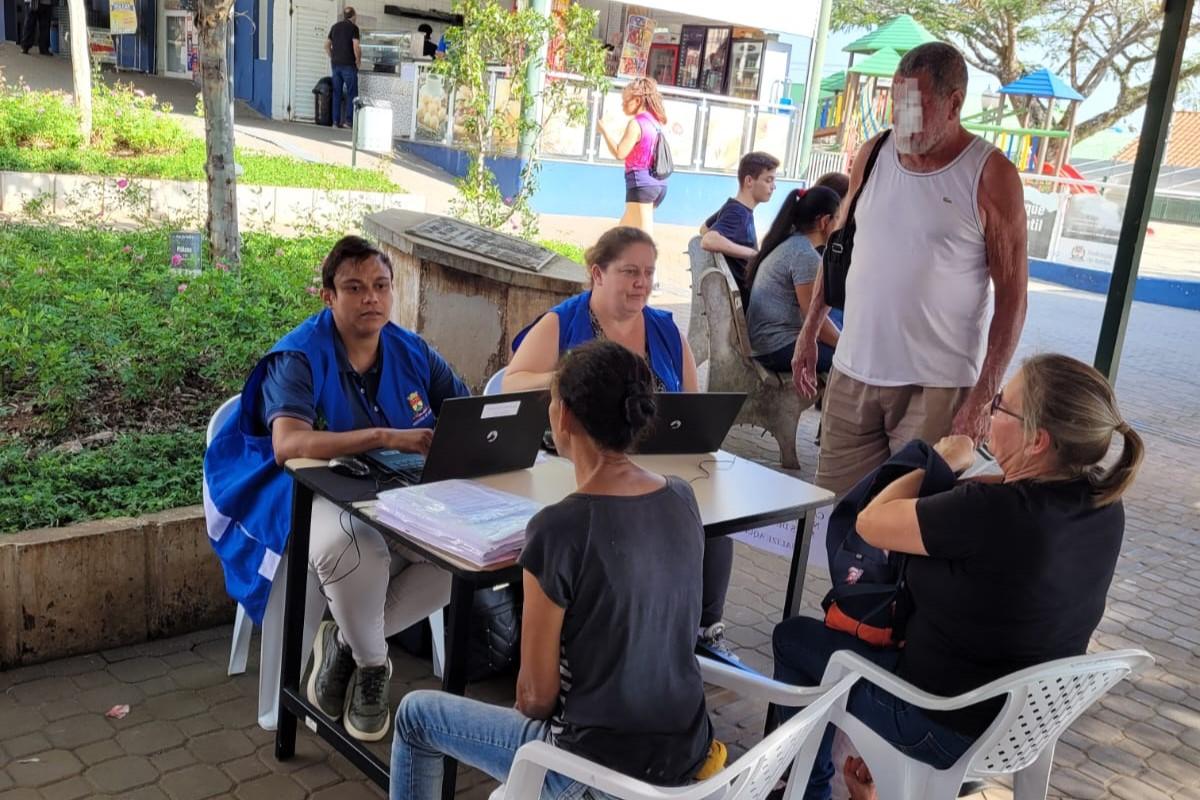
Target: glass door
{"x":662,"y":63}
{"x":716,"y":60}
{"x":176,"y":44}
{"x":691,"y":47}
{"x":745,"y":69}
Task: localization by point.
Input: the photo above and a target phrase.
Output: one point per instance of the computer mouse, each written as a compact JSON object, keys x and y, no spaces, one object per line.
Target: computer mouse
{"x":349,"y":466}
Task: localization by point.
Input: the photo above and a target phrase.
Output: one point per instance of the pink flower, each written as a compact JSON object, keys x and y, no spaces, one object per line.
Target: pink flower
{"x":176,"y":260}
{"x":182,"y":288}
{"x":313,"y":290}
{"x":222,"y":266}
{"x":122,"y":183}
{"x":127,"y":249}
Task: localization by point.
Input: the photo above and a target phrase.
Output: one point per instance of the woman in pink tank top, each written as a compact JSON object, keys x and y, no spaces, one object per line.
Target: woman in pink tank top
{"x":643,"y":192}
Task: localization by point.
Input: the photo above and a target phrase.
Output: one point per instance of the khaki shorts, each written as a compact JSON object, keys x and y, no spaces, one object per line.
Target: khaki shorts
{"x":863,"y":425}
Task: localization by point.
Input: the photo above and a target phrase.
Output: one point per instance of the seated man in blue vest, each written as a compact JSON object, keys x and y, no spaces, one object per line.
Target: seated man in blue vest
{"x":344,"y":381}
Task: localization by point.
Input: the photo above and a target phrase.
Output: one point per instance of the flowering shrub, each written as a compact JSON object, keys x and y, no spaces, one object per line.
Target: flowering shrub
{"x":126,"y":120}
{"x":30,"y":119}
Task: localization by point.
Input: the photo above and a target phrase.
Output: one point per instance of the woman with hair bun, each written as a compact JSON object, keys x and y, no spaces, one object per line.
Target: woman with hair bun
{"x":641,"y":101}
{"x":612,"y":594}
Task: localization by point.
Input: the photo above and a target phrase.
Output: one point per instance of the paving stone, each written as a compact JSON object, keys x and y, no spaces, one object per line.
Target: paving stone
{"x":1187,"y":774}
{"x":222,"y":746}
{"x":1133,"y":789}
{"x":93,"y":680}
{"x":70,"y":789}
{"x":42,"y":690}
{"x":271,"y":787}
{"x":348,"y":791}
{"x":136,"y":670}
{"x":46,"y":767}
{"x":77,"y":731}
{"x":184,"y":658}
{"x":241,"y":770}
{"x":99,"y":752}
{"x":151,"y":737}
{"x":21,"y":794}
{"x":102,"y":699}
{"x":19,"y":721}
{"x":172,"y":760}
{"x":5,"y":781}
{"x":316,"y":776}
{"x":197,"y":725}
{"x":121,"y":774}
{"x":199,"y":676}
{"x":235,"y":714}
{"x":173,"y":705}
{"x":156,"y":686}
{"x":26,"y":745}
{"x":195,"y":783}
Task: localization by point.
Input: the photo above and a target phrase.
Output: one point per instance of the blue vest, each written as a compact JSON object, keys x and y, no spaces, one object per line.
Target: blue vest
{"x":247,"y":496}
{"x":662,"y":337}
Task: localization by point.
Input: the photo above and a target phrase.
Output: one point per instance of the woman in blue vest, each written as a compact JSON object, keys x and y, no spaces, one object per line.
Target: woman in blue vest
{"x":343,"y":382}
{"x":621,"y":264}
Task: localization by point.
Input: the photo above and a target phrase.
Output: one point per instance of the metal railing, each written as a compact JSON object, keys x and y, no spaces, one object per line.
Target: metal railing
{"x":706,"y":133}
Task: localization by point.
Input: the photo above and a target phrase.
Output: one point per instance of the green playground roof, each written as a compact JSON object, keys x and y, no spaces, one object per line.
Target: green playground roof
{"x":881,"y":64}
{"x":834,"y":83}
{"x":901,"y":34}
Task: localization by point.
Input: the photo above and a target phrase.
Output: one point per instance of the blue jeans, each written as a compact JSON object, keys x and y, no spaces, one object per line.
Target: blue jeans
{"x":345,"y":89}
{"x":802,"y":649}
{"x":432,"y":724}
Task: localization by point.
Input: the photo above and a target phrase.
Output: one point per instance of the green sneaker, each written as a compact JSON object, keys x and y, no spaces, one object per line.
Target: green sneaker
{"x":368,"y":716}
{"x":329,"y":671}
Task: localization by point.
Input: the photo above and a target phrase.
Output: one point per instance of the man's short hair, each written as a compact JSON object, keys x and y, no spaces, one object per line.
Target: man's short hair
{"x":754,"y":164}
{"x":945,"y":66}
{"x":425,"y":28}
{"x":352,"y":249}
{"x":349,"y":13}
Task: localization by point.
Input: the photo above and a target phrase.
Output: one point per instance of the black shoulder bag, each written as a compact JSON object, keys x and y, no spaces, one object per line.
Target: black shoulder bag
{"x":661,"y":164}
{"x":835,"y":263}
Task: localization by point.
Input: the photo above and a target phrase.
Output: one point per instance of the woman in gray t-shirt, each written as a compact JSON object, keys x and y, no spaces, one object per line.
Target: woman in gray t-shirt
{"x":782,"y":276}
{"x":612,"y":584}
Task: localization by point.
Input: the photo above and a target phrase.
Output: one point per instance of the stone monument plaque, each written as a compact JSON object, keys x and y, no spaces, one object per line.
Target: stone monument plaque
{"x":489,"y":244}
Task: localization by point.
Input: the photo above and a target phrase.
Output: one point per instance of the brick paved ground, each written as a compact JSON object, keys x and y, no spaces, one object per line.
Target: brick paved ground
{"x":192,"y":732}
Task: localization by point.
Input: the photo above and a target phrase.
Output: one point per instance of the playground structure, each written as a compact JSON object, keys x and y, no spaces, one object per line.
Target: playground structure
{"x":856,"y":104}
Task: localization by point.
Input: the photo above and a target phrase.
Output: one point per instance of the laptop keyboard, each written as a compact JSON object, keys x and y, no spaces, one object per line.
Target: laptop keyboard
{"x":400,"y":467}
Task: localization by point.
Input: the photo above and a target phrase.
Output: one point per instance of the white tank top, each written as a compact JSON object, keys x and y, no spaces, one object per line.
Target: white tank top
{"x":917,"y":296}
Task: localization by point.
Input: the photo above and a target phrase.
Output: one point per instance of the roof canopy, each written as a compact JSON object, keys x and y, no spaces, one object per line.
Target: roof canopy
{"x":881,"y":64}
{"x":900,"y":34}
{"x":1042,"y":83}
{"x":800,"y":19}
{"x":834,"y":83}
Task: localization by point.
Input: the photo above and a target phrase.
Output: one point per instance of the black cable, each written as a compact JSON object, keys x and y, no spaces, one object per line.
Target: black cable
{"x":337,"y":562}
{"x":719,"y":465}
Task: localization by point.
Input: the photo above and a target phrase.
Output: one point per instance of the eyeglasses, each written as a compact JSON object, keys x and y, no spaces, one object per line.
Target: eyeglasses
{"x":996,"y":406}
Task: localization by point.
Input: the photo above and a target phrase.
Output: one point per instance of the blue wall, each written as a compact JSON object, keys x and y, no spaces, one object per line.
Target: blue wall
{"x":598,"y":190}
{"x":136,"y":51}
{"x":1160,"y":291}
{"x":252,"y":76}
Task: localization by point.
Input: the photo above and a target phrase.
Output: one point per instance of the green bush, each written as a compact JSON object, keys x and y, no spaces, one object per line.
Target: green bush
{"x":566,"y":249}
{"x":97,"y":332}
{"x":134,"y":474}
{"x":128,"y":121}
{"x":37,"y":119}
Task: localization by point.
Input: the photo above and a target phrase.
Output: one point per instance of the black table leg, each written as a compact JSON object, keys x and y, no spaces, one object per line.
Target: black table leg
{"x":454,"y":671}
{"x":293,"y":616}
{"x":795,"y":586}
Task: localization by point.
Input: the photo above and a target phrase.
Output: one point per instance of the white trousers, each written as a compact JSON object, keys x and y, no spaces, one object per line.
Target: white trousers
{"x":375,"y":589}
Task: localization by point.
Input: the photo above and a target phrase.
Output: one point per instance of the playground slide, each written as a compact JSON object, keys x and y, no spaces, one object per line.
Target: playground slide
{"x":1070,"y":172}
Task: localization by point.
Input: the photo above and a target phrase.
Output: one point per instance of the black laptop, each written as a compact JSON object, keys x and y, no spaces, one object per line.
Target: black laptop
{"x":474,"y":436}
{"x":691,"y":422}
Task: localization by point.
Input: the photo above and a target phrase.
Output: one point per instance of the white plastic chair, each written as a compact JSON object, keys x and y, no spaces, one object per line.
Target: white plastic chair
{"x":493,"y":384}
{"x":1041,"y":702}
{"x":751,"y":777}
{"x":271,"y":639}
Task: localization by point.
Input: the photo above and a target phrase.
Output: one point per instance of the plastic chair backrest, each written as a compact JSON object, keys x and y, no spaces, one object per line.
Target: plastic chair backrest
{"x":493,"y":384}
{"x":1050,"y":698}
{"x":218,"y":418}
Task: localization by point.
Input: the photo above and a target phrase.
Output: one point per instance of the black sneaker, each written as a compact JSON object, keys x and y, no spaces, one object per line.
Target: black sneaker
{"x":368,"y":716}
{"x":712,"y":643}
{"x":329,"y":671}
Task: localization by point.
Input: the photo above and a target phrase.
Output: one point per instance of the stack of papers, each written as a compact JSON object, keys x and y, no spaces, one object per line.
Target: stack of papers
{"x":481,"y":525}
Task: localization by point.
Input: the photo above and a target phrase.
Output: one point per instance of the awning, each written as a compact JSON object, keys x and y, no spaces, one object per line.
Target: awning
{"x":798,"y":17}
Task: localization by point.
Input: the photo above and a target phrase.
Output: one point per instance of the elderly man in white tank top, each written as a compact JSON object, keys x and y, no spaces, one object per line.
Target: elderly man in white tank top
{"x":941,"y":217}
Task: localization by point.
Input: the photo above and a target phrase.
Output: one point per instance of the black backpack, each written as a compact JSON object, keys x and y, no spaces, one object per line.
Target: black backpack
{"x":661,"y":163}
{"x":835,"y":261}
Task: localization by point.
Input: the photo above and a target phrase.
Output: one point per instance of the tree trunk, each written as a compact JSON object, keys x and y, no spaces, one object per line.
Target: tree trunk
{"x":213,"y":21}
{"x":81,"y":67}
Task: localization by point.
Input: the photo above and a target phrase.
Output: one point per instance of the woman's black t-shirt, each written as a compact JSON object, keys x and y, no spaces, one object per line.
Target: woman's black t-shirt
{"x":1017,"y":575}
{"x":628,"y":571}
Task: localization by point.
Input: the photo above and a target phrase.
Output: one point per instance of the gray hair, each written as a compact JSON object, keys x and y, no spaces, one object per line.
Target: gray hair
{"x":945,"y":66}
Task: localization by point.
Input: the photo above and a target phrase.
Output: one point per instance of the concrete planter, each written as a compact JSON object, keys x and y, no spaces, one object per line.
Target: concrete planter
{"x":107,"y":583}
{"x":143,"y":199}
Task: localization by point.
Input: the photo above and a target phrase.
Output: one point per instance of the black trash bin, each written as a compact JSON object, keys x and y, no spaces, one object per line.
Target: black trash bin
{"x":323,"y":97}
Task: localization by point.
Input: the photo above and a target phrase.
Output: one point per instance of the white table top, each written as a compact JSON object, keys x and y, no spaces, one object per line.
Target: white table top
{"x":730,"y":490}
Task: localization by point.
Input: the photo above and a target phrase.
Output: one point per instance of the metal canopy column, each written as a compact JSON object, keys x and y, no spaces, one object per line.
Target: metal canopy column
{"x":1151,"y":146}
